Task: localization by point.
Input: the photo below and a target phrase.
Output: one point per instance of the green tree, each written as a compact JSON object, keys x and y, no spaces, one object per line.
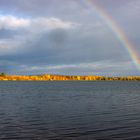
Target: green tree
{"x":2,"y":74}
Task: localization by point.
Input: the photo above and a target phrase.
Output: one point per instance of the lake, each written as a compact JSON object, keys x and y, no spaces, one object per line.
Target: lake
{"x":70,"y":110}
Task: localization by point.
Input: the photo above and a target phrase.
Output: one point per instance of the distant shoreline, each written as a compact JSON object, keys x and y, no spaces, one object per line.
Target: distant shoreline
{"x":51,"y":77}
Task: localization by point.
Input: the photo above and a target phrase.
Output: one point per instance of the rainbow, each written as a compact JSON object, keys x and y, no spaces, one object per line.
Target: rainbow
{"x":115,"y":29}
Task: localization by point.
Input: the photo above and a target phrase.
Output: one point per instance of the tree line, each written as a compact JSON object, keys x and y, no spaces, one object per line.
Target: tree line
{"x":48,"y":77}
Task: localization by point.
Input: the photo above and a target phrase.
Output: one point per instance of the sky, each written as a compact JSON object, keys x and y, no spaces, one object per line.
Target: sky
{"x":67,"y":37}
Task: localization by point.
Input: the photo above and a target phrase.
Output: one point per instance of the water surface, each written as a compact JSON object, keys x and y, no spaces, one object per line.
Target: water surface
{"x":70,"y":110}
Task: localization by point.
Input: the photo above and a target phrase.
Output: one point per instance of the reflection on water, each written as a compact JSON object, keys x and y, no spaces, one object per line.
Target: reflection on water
{"x":70,"y":110}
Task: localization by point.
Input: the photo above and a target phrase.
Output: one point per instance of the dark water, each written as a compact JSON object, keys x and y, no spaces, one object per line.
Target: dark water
{"x":70,"y":110}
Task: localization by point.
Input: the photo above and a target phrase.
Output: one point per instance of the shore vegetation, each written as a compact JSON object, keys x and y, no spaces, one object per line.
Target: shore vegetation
{"x":50,"y":77}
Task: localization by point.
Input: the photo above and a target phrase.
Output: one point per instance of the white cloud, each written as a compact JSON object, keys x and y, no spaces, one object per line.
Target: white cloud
{"x":12,"y":22}
{"x":52,"y":23}
{"x":42,"y":23}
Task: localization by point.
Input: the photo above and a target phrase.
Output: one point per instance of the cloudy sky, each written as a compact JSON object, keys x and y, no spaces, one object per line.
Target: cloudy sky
{"x":67,"y":37}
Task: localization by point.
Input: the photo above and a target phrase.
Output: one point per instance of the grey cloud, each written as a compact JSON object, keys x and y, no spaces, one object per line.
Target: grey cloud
{"x":44,"y":47}
{"x":95,"y":68}
{"x":4,"y":33}
{"x":61,"y":46}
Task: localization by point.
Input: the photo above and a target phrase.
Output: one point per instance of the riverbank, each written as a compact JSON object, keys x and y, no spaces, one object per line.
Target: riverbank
{"x":48,"y":77}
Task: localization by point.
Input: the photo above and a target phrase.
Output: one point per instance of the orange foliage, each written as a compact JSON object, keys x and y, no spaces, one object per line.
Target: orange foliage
{"x":47,"y":77}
